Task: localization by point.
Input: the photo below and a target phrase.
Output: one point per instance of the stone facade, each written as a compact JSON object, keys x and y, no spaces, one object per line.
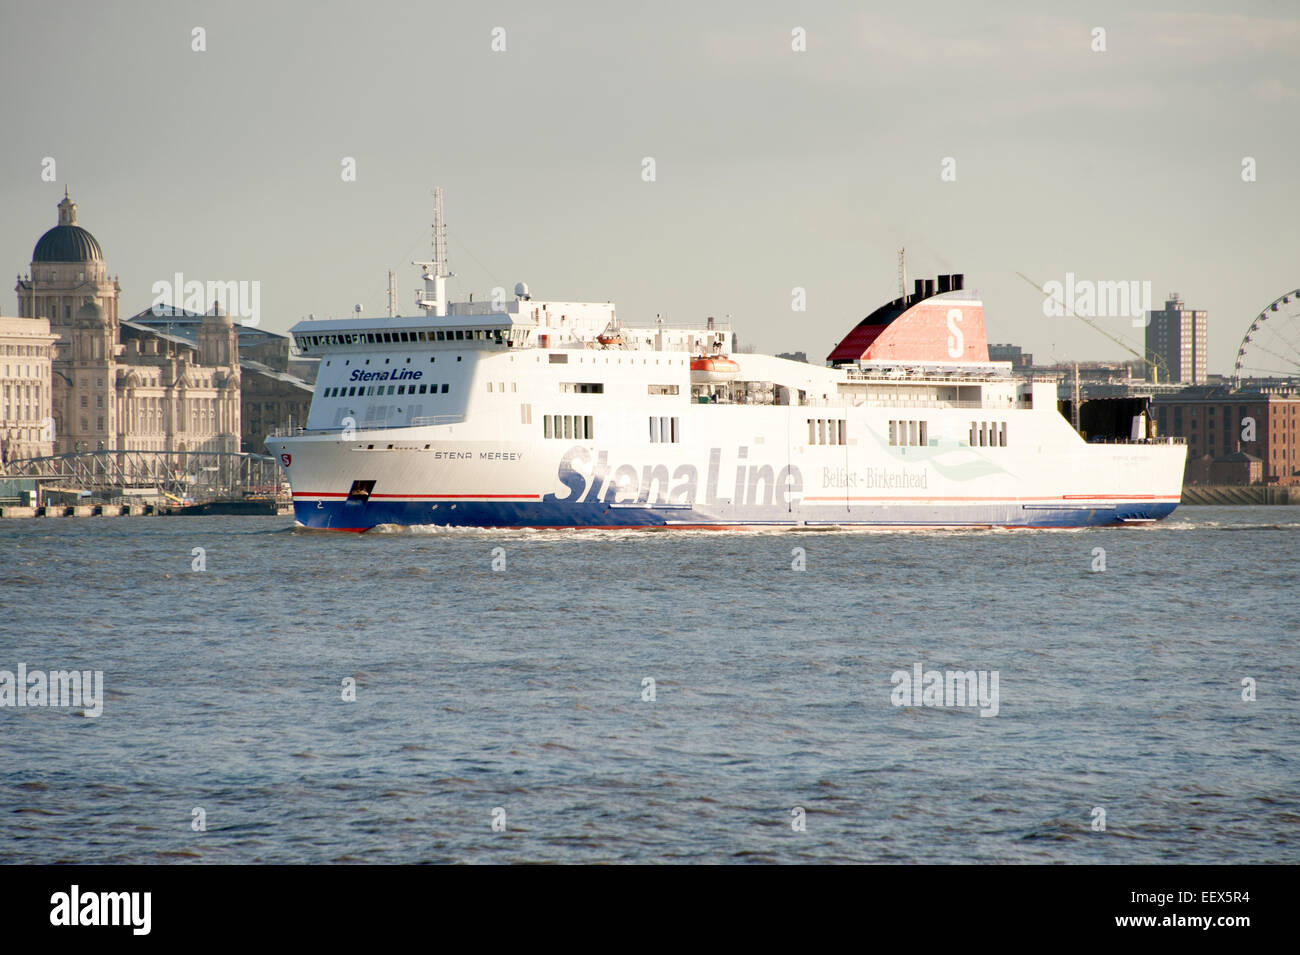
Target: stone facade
{"x":26,"y":425}
{"x":112,"y":391}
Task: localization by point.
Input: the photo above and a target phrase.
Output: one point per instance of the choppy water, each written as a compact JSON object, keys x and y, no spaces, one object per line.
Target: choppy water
{"x":522,"y":689}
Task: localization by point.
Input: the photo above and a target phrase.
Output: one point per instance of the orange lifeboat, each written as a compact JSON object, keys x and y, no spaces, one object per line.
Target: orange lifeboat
{"x":713,"y":369}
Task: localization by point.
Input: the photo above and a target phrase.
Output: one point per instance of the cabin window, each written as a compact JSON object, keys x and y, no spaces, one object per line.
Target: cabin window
{"x":444,"y":389}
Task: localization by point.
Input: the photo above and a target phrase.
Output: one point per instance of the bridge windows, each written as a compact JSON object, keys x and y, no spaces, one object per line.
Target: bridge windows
{"x":665,"y":430}
{"x":569,"y":426}
{"x":827,"y":431}
{"x":582,"y":387}
{"x":914,"y":434}
{"x":988,"y":434}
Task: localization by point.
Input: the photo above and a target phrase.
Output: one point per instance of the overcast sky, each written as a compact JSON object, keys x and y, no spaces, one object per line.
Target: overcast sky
{"x":774,"y":169}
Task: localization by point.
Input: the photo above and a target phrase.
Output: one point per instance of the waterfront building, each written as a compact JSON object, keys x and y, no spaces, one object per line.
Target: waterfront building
{"x":1220,"y":423}
{"x":116,"y":388}
{"x":26,"y":426}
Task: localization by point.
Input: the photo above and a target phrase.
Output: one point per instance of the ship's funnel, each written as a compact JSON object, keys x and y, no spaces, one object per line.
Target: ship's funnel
{"x":958,"y":281}
{"x":929,"y":287}
{"x":945,"y":283}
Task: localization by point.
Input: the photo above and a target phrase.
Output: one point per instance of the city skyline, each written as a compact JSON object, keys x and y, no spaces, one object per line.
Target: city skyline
{"x":775,"y":168}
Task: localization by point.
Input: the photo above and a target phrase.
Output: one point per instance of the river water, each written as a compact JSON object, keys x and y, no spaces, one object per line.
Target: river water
{"x":650,"y":696}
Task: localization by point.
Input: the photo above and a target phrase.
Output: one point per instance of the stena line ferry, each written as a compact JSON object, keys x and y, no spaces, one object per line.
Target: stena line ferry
{"x":530,"y":413}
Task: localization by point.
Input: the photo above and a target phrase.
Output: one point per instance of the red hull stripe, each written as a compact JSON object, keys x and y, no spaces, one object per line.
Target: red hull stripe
{"x":423,"y":497}
{"x":1063,"y":497}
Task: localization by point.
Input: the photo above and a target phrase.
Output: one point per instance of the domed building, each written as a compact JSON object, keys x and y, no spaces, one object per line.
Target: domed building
{"x":151,"y":392}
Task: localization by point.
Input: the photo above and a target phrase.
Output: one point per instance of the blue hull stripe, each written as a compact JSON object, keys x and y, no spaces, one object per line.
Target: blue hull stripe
{"x":363,"y":515}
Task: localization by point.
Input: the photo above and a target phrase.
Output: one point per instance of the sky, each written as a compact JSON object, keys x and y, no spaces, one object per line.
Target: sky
{"x":775,"y":168}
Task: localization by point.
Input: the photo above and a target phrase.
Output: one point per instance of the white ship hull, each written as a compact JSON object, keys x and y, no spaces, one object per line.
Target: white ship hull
{"x":741,"y":469}
{"x":528,"y":414}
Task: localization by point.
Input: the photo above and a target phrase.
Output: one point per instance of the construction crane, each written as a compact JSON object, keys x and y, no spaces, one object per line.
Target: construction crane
{"x":1155,"y":362}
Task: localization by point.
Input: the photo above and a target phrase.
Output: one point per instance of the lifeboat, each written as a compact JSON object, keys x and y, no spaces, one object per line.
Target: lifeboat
{"x":610,"y":339}
{"x":713,"y":369}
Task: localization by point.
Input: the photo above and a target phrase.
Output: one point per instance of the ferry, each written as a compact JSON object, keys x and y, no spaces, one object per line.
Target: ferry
{"x":543,"y":414}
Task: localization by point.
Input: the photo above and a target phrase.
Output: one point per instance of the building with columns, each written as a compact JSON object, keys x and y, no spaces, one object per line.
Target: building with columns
{"x":26,"y":426}
{"x":135,"y":392}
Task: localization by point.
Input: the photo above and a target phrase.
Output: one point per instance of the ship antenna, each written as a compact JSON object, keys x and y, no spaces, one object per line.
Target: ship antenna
{"x":902,"y":272}
{"x":439,"y":235}
{"x":433,"y":297}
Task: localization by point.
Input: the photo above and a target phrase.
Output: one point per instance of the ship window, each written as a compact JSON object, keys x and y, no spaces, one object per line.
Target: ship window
{"x":546,"y":425}
{"x":444,"y":389}
{"x":911,"y":433}
{"x":423,"y":388}
{"x":676,"y":436}
{"x":352,"y":391}
{"x":972,"y":434}
{"x":1002,"y":435}
{"x":489,"y":384}
{"x":390,"y":389}
{"x":893,"y":433}
{"x":588,"y":428}
{"x":568,"y":426}
{"x":924,"y":434}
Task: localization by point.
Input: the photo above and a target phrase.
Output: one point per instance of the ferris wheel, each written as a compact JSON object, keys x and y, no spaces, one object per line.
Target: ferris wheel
{"x":1271,"y":346}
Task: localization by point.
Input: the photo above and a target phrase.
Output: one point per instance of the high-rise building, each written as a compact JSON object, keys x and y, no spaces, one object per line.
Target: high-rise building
{"x":1177,"y":336}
